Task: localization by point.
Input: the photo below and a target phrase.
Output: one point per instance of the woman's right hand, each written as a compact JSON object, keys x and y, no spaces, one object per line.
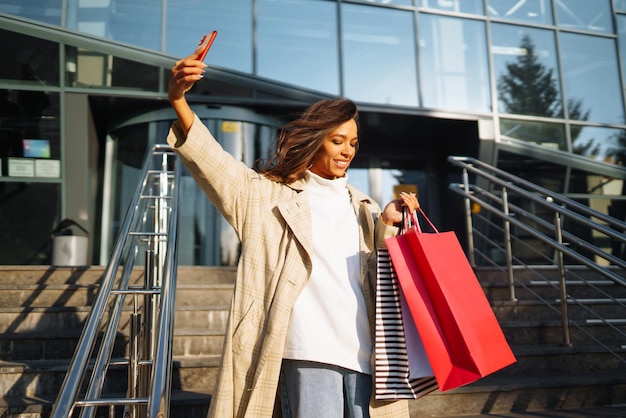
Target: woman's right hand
{"x":184,"y":75}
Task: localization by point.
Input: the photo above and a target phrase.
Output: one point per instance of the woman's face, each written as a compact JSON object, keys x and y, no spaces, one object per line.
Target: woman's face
{"x":337,"y":151}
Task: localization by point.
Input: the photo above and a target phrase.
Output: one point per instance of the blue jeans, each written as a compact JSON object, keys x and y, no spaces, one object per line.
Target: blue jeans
{"x":317,"y":390}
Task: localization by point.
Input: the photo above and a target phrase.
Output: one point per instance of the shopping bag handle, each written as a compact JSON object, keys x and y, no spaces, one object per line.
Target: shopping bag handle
{"x":428,"y":220}
{"x":407,"y":221}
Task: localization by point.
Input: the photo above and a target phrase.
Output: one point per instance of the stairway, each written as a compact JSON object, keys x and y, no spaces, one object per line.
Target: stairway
{"x":42,"y":310}
{"x":41,"y":314}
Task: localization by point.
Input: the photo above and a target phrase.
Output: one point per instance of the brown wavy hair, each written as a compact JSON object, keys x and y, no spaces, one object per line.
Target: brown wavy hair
{"x":299,"y":140}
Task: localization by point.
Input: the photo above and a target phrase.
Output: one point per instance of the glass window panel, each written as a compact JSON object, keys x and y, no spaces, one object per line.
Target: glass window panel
{"x":231,"y":19}
{"x":526,"y":71}
{"x":134,"y":75}
{"x":541,"y":172}
{"x":591,"y":78}
{"x":606,"y":195}
{"x":620,"y":5}
{"x":531,"y":11}
{"x":601,"y":144}
{"x":593,"y":15}
{"x":459,"y":6}
{"x":621,"y":34}
{"x":453,"y":61}
{"x":549,"y":135}
{"x":30,"y":60}
{"x":29,"y":134}
{"x":297,"y":43}
{"x":86,"y":68}
{"x":392,"y":2}
{"x":48,"y":11}
{"x":137,"y":22}
{"x":379,"y":65}
{"x":30,"y":211}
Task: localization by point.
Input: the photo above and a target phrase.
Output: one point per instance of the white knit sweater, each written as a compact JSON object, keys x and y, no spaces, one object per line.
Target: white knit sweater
{"x":329,"y":321}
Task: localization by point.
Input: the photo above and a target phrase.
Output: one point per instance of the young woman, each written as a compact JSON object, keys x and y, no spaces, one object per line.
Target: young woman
{"x":299,"y":337}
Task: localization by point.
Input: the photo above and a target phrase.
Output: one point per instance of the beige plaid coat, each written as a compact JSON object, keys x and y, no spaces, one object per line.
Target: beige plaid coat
{"x":273,"y":223}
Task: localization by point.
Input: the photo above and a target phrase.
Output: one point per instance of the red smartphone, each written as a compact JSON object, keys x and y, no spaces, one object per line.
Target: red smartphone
{"x":205,"y":44}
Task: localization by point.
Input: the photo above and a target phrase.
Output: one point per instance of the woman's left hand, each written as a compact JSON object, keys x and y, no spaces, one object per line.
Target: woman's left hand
{"x":392,"y":214}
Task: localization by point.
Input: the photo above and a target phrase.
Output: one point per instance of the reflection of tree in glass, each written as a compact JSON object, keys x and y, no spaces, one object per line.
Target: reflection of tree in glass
{"x":529,"y":88}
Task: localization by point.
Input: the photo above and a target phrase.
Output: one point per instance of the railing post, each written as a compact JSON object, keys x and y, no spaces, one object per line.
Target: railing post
{"x":507,"y":244}
{"x":134,"y":357}
{"x":562,"y":286}
{"x":469,"y":228}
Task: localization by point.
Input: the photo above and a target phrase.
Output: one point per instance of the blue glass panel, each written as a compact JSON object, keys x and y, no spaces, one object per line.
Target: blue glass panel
{"x":136,"y":22}
{"x":532,"y":11}
{"x":526,"y":71}
{"x":586,"y":15}
{"x":48,"y":11}
{"x":591,"y":78}
{"x":189,"y":20}
{"x":392,"y":2}
{"x":621,"y":36}
{"x":600,"y":144}
{"x":460,"y":6}
{"x":297,"y":43}
{"x":379,"y":60}
{"x":620,"y":5}
{"x":453,"y":64}
{"x":548,"y":135}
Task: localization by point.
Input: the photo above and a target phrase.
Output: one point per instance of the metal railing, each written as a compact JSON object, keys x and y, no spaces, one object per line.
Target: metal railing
{"x":514,"y":225}
{"x":147,"y":235}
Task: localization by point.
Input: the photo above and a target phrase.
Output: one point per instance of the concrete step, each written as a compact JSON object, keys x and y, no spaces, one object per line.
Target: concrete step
{"x":43,"y":378}
{"x":46,"y":275}
{"x":63,"y":319}
{"x":537,"y":310}
{"x":540,"y":332}
{"x":49,"y":345}
{"x":68,"y":295}
{"x":617,"y":411}
{"x":499,"y":395}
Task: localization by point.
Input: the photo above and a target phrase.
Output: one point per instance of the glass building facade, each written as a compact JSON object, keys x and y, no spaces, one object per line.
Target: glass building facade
{"x":535,"y":87}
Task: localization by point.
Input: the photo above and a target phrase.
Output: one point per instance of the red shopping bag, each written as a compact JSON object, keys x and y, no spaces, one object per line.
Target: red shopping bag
{"x":460,"y":333}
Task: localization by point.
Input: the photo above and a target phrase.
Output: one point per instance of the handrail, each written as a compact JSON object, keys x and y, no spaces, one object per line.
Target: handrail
{"x":503,"y":211}
{"x":151,"y":224}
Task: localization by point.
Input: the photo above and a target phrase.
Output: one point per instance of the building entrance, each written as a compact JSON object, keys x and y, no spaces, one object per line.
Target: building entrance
{"x":412,"y":150}
{"x":397,"y":152}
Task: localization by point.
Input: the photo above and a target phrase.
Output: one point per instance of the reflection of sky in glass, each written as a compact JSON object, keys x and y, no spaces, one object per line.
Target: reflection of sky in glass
{"x":590,"y":74}
{"x":533,"y":11}
{"x":598,"y":143}
{"x":453,"y":61}
{"x":359,"y":178}
{"x":133,"y":22}
{"x":50,"y":12}
{"x":459,"y":6}
{"x":386,"y":178}
{"x":506,"y":49}
{"x":297,"y":43}
{"x":586,"y":15}
{"x":379,"y":60}
{"x":621,"y":36}
{"x":189,"y":20}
